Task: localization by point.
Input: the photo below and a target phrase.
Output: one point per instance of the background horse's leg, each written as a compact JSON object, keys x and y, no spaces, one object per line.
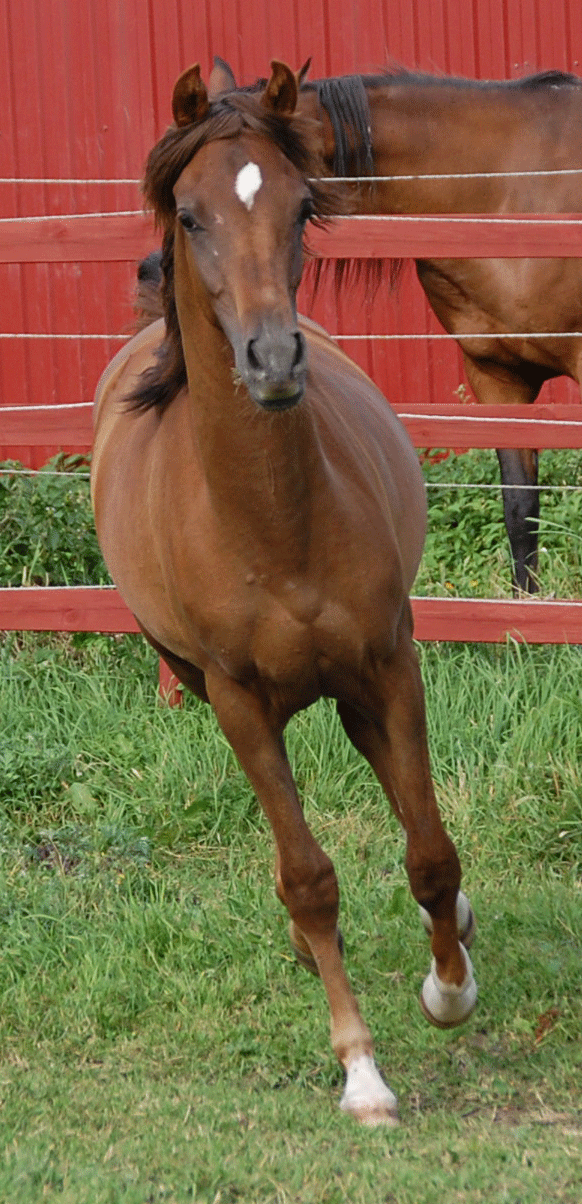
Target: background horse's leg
{"x":493,"y":384}
{"x":395,"y":745}
{"x":306,"y":884}
{"x":521,"y":509}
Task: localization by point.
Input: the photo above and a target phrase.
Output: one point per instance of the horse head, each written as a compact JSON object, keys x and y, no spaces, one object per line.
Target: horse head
{"x":237,"y":214}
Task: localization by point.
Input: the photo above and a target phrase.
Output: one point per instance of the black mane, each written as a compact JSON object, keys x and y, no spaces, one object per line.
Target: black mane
{"x":345,"y":100}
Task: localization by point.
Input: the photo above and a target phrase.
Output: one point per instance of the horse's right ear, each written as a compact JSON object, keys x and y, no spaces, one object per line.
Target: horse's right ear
{"x":190,"y":99}
{"x":281,"y":91}
{"x":221,"y":79}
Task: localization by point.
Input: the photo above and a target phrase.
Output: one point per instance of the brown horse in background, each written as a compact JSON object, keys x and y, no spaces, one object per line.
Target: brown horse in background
{"x":262,"y":512}
{"x":467,"y":142}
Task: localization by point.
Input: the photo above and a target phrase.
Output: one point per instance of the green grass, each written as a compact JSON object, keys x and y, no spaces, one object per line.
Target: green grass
{"x":467,"y":551}
{"x":157,"y":1040}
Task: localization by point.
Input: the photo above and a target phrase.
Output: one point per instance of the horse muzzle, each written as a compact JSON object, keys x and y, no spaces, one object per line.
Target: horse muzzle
{"x":273,"y":366}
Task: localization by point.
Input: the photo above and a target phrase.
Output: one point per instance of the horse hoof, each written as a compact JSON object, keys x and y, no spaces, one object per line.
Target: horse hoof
{"x":304,"y":957}
{"x":444,"y":1004}
{"x":466,"y":926}
{"x":366,"y":1096}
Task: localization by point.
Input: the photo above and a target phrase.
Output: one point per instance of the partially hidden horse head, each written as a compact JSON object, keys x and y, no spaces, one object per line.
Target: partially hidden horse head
{"x":262,"y":512}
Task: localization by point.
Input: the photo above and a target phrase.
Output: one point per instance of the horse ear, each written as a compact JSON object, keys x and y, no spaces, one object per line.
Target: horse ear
{"x":281,"y":91}
{"x":301,"y":75}
{"x":190,"y":98}
{"x":221,"y":79}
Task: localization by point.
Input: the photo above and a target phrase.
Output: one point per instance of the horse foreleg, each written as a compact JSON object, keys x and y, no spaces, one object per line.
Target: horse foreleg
{"x":306,"y":884}
{"x":395,"y":745}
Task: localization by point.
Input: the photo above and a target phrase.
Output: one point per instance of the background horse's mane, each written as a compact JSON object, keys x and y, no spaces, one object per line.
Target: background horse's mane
{"x":345,"y":100}
{"x":294,"y":135}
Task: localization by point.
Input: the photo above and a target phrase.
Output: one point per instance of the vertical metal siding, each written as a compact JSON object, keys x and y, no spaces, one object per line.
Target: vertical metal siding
{"x":87,"y":91}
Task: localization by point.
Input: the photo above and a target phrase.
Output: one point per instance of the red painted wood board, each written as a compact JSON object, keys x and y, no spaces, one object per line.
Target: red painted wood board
{"x":53,"y":426}
{"x":481,"y":620}
{"x":484,"y":620}
{"x":68,"y":133}
{"x":119,"y":237}
{"x":429,"y":425}
{"x":463,"y":426}
{"x":66,"y":608}
{"x":475,"y":236}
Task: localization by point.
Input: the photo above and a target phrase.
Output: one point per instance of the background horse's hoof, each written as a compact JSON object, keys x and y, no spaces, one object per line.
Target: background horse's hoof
{"x":466,"y":925}
{"x":304,"y":955}
{"x":366,"y":1096}
{"x":444,"y":1004}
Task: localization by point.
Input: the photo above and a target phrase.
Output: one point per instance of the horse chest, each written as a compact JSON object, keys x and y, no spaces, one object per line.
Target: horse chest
{"x":300,"y":642}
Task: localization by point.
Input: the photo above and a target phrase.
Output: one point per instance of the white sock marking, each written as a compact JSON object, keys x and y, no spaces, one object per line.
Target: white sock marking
{"x":247,"y":184}
{"x":366,"y":1094}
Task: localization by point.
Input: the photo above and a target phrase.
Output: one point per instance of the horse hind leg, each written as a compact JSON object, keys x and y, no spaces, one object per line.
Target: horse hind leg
{"x":396,"y":748}
{"x":521,"y":509}
{"x":495,"y":384}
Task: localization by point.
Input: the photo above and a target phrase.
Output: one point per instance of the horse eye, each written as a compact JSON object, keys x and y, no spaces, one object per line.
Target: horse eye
{"x":306,"y":212}
{"x":187,"y":221}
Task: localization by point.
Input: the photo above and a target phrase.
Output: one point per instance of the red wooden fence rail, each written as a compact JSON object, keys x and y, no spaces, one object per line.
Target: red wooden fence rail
{"x":96,"y":237}
{"x":429,"y":425}
{"x":110,"y":238}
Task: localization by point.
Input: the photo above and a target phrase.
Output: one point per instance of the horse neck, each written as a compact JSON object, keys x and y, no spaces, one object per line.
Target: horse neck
{"x":434,"y":129}
{"x":261,"y":470}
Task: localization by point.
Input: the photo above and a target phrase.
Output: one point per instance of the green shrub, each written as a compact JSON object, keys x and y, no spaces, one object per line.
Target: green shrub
{"x":47,"y":536}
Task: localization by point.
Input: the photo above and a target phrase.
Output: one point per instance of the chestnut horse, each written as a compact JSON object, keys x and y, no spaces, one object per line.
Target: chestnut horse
{"x":484,"y":139}
{"x":262,"y":512}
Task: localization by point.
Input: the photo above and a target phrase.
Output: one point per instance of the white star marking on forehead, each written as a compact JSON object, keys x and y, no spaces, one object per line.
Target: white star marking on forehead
{"x":247,"y":184}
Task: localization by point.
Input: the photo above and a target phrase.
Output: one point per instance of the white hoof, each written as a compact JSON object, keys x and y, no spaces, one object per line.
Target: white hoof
{"x":465,"y":920}
{"x":445,"y":1004}
{"x":366,"y":1095}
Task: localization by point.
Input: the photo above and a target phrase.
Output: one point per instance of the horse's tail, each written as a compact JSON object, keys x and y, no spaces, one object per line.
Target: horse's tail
{"x":148,"y":302}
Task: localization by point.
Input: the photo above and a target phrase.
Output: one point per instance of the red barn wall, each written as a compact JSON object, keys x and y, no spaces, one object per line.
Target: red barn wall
{"x":87,"y":91}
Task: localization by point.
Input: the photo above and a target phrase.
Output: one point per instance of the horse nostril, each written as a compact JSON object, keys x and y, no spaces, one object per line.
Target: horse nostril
{"x":252,"y":358}
{"x":299,"y":349}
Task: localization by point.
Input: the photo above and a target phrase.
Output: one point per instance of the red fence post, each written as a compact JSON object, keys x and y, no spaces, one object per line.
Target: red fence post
{"x":170,"y":689}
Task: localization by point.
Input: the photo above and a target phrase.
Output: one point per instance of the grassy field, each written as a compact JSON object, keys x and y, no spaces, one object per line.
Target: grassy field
{"x":157,"y":1040}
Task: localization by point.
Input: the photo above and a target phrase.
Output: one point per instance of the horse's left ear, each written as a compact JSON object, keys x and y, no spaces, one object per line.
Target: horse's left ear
{"x":190,"y":98}
{"x":301,"y":75}
{"x":281,"y":91}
